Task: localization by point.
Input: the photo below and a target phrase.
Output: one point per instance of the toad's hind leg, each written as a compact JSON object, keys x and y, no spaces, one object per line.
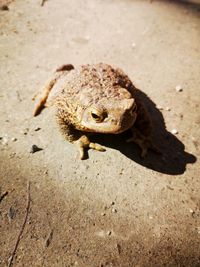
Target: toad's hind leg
{"x":143,"y":142}
{"x":48,"y":87}
{"x":77,"y":137}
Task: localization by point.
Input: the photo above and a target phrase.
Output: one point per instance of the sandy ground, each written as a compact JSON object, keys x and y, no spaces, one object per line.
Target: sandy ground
{"x":113,"y":209}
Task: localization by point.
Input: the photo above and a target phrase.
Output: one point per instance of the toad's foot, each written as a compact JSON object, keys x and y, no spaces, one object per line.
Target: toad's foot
{"x":83,"y":143}
{"x":145,"y":143}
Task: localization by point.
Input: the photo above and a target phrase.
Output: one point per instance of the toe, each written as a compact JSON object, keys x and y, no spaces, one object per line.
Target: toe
{"x":96,"y":147}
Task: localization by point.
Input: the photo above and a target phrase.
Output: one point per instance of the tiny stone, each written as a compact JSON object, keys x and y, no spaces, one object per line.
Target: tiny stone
{"x":133,"y":45}
{"x":4,"y":8}
{"x":179,"y":88}
{"x":103,"y":214}
{"x":191,"y":211}
{"x":168,"y":109}
{"x":12,"y":155}
{"x":35,"y":148}
{"x":25,"y":132}
{"x":109,"y":233}
{"x":159,"y":107}
{"x":4,"y":141}
{"x":174,"y":131}
{"x":37,"y":129}
{"x":113,"y":203}
{"x":114,"y":210}
{"x":13,"y":139}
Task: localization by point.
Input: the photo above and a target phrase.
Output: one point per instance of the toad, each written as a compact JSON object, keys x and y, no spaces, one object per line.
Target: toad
{"x":96,"y":98}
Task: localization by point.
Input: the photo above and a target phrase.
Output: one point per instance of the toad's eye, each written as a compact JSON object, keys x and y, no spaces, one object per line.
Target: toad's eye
{"x":97,"y":115}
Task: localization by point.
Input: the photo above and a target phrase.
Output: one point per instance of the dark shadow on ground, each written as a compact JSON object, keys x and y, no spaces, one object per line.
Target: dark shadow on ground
{"x":192,"y":5}
{"x":173,"y":158}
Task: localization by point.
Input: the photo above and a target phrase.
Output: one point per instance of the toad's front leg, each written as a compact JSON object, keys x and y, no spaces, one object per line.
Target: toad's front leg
{"x":77,"y":137}
{"x":84,"y":143}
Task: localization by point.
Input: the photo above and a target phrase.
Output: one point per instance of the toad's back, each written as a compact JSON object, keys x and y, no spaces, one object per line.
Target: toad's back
{"x":90,"y":84}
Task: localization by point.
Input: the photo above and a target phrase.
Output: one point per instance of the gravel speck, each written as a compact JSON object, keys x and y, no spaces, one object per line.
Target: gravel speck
{"x":109,"y":233}
{"x":114,"y":210}
{"x":159,"y":107}
{"x":179,"y":88}
{"x":37,"y":129}
{"x":133,"y":45}
{"x":4,"y":141}
{"x":174,"y":131}
{"x":4,"y":8}
{"x":35,"y":148}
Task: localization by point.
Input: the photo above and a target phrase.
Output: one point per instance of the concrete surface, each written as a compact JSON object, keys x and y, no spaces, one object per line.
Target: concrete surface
{"x":113,"y":209}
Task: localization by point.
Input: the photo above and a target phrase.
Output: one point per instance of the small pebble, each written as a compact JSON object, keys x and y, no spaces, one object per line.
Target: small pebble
{"x":12,"y":155}
{"x":174,"y":131}
{"x":35,"y":148}
{"x":114,"y":210}
{"x":25,"y":131}
{"x":167,"y":109}
{"x":103,"y":214}
{"x":14,"y":139}
{"x":109,"y":233}
{"x":81,"y":40}
{"x":133,"y":45}
{"x":4,"y":8}
{"x":179,"y":88}
{"x":37,"y":129}
{"x":4,"y":141}
{"x":191,"y":211}
{"x":159,"y":107}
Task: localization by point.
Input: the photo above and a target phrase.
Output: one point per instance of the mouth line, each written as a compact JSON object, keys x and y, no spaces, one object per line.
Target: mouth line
{"x":117,"y":129}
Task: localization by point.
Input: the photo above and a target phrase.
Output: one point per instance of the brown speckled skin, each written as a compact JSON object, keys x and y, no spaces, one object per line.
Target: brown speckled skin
{"x":76,"y":91}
